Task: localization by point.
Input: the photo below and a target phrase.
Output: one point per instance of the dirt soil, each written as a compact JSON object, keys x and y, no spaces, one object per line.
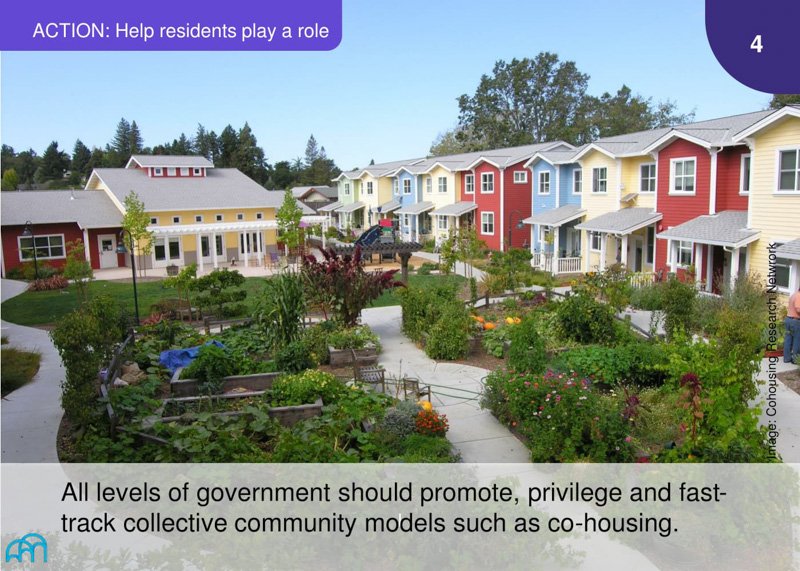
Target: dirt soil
{"x":791,"y":379}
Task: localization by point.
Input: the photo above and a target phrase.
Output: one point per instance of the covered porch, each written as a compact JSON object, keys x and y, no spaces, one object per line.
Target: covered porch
{"x":329,"y":211}
{"x":415,"y":222}
{"x":711,"y":249}
{"x":625,"y":236}
{"x":351,"y":216}
{"x":452,"y":217}
{"x":383,"y":212}
{"x":555,"y":243}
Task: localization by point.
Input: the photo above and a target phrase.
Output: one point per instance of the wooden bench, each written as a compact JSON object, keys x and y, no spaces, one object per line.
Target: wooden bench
{"x":417,"y":391}
{"x":373,"y":376}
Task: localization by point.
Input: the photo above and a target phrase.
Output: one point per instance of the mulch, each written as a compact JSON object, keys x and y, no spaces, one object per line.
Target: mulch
{"x":791,"y":379}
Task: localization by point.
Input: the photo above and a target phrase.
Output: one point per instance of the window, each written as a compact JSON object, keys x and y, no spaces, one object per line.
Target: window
{"x":198,"y":218}
{"x":487,"y":183}
{"x":154,"y":221}
{"x":240,"y":216}
{"x":789,"y":175}
{"x":407,"y":186}
{"x":259,"y":216}
{"x":487,"y":222}
{"x":782,"y":271}
{"x":469,"y":184}
{"x":184,"y":171}
{"x":682,"y":175}
{"x":164,"y":249}
{"x":600,"y":179}
{"x":347,"y":188}
{"x":428,"y":185}
{"x":369,"y":187}
{"x":744,"y":182}
{"x":595,"y":241}
{"x":685,"y":254}
{"x":171,"y":171}
{"x":442,"y":184}
{"x":544,"y":182}
{"x":647,"y":177}
{"x":47,"y":247}
{"x":176,"y":219}
{"x":442,"y":222}
{"x":218,"y":217}
{"x":197,"y":172}
{"x":577,"y":181}
{"x":395,"y":186}
{"x":651,"y":244}
{"x":520,"y":177}
{"x":158,"y":171}
{"x":407,"y":220}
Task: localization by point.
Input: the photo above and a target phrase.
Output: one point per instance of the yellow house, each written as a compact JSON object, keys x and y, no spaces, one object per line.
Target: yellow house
{"x":198,"y":213}
{"x":774,"y":205}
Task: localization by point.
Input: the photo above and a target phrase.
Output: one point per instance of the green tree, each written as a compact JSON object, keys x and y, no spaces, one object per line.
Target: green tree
{"x":54,"y":163}
{"x":135,"y":141}
{"x":228,"y":145}
{"x":284,"y":175}
{"x":288,"y":216}
{"x":26,"y":164}
{"x":135,"y":221}
{"x":8,"y":158}
{"x":78,"y":269}
{"x":312,"y":151}
{"x":206,"y":143}
{"x":625,"y":112}
{"x":453,"y":142}
{"x":81,"y":158}
{"x":119,"y":150}
{"x":248,"y":156}
{"x":781,"y":100}
{"x":10,"y":180}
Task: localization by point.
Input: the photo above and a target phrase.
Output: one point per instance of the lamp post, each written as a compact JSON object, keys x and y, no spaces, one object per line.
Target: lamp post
{"x":511,"y":225}
{"x":121,"y":249}
{"x":27,"y":232}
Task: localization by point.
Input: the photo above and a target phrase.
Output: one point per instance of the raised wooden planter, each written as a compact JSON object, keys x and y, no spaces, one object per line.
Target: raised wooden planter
{"x":343,"y":357}
{"x":286,"y":415}
{"x":190,"y":387}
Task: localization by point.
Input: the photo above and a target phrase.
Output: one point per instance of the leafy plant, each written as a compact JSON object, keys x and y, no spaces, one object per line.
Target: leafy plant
{"x":422,"y":308}
{"x":679,"y":301}
{"x":305,"y":388}
{"x":49,"y":284}
{"x":78,"y":269}
{"x":641,"y":364}
{"x":431,"y":423}
{"x":527,"y":352}
{"x":212,"y":365}
{"x":354,"y":338}
{"x":281,"y":309}
{"x":494,"y":341}
{"x":401,"y":420}
{"x":449,"y":336}
{"x":586,"y":320}
{"x":220,"y":290}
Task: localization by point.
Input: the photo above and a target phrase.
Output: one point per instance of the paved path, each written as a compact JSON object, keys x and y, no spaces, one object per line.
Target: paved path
{"x":475,"y":433}
{"x":31,"y":414}
{"x":781,"y":406}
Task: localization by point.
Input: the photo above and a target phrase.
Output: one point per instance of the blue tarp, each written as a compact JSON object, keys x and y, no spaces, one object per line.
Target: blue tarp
{"x":175,"y":358}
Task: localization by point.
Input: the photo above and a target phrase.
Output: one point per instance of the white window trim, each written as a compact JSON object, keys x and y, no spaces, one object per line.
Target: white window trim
{"x":38,"y":257}
{"x":574,"y":181}
{"x":406,"y":192}
{"x":789,"y":289}
{"x":467,"y":179}
{"x":672,"y":163}
{"x":482,"y":223}
{"x":541,"y":185}
{"x":429,"y":185}
{"x":679,"y":245}
{"x":240,"y":216}
{"x":259,"y":216}
{"x":197,"y":172}
{"x":778,"y":171}
{"x":167,"y":260}
{"x":158,"y":171}
{"x":370,"y":188}
{"x":395,"y":186}
{"x":219,"y":217}
{"x":176,"y":219}
{"x":171,"y":171}
{"x":347,"y":188}
{"x":598,"y":180}
{"x":407,"y":220}
{"x":491,"y":178}
{"x":154,"y":220}
{"x":442,"y":188}
{"x":655,"y":178}
{"x":198,"y":218}
{"x":523,"y":179}
{"x":742,"y":191}
{"x":591,"y":242}
{"x":184,"y":171}
{"x":442,"y":223}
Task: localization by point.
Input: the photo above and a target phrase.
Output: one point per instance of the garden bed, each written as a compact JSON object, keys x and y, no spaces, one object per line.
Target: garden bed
{"x":344,"y":357}
{"x":191,"y":387}
{"x":287,"y":415}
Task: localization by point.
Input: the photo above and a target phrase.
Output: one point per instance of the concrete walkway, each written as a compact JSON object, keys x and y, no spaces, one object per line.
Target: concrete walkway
{"x":31,"y":414}
{"x":475,"y":433}
{"x":781,"y":407}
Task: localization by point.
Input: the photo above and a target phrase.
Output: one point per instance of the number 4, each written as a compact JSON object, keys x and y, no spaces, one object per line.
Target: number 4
{"x":756,"y":44}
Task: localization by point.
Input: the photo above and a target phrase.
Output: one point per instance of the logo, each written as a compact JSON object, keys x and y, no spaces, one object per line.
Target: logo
{"x":26,"y":544}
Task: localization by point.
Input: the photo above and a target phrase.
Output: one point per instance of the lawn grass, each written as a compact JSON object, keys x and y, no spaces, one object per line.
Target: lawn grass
{"x":19,"y":367}
{"x":391,"y":298}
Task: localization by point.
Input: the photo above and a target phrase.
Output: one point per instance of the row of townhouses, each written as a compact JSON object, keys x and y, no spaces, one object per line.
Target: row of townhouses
{"x":707,"y":198}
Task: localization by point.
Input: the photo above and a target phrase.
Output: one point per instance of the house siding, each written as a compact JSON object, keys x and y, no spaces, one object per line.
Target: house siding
{"x":10,"y":235}
{"x":518,"y":205}
{"x":488,"y":203}
{"x":597,"y":204}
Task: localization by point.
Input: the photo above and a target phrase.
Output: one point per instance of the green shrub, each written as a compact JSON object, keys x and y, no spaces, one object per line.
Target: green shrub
{"x":586,"y":320}
{"x":679,"y":300}
{"x":220,"y":291}
{"x":527,"y":352}
{"x":648,"y":298}
{"x":281,"y":308}
{"x":641,"y":364}
{"x":296,"y":356}
{"x":353,"y":338}
{"x":19,"y":367}
{"x":422,"y":308}
{"x":305,"y":388}
{"x":429,"y":245}
{"x":426,"y":268}
{"x":401,"y":420}
{"x":706,"y":313}
{"x":449,"y":337}
{"x":212,"y":365}
{"x":316,"y":340}
{"x":494,"y":341}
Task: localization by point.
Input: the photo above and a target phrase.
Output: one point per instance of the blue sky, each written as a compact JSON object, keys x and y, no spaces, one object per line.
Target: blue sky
{"x":384,"y":93}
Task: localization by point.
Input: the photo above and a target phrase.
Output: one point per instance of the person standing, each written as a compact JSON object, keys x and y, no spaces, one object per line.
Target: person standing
{"x":791,"y":341}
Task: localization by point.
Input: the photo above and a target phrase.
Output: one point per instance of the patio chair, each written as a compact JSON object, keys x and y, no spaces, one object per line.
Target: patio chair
{"x":274,"y":261}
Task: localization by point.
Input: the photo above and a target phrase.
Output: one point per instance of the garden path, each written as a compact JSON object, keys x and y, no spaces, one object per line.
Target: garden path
{"x":460,"y":267}
{"x":31,"y":415}
{"x":474,"y":432}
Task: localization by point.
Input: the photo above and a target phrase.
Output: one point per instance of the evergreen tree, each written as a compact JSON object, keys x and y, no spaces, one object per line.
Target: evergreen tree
{"x":312,"y":151}
{"x":10,"y":180}
{"x":136,"y":143}
{"x":228,"y":145}
{"x":249,"y":157}
{"x":26,"y":164}
{"x":81,"y":157}
{"x":781,"y":100}
{"x":8,"y":158}
{"x":53,"y":165}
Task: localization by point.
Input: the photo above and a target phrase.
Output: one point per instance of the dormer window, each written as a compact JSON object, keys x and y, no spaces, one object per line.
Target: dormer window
{"x":158,"y":171}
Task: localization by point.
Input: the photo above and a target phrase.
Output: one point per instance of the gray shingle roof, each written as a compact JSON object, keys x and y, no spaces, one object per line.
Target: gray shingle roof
{"x":417,"y":208}
{"x":557,"y":216}
{"x":352,"y":207}
{"x":622,"y":221}
{"x":220,"y":188}
{"x":789,"y":250}
{"x":726,"y":228}
{"x":389,"y":206}
{"x":89,"y":208}
{"x":172,"y":161}
{"x":302,"y":191}
{"x":456,"y":209}
{"x":330,"y":207}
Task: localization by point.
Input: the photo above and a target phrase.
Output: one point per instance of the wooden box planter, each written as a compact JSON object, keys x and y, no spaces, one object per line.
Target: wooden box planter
{"x":343,"y":357}
{"x":190,"y":387}
{"x":475,"y":342}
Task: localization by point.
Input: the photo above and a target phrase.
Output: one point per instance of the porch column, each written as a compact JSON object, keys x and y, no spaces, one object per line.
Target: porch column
{"x":554,"y":263}
{"x":710,"y":268}
{"x":416,"y":218}
{"x":734,"y":266}
{"x":198,"y":246}
{"x":671,"y":255}
{"x":458,"y":222}
{"x":245,"y":247}
{"x":260,"y":247}
{"x":587,"y":249}
{"x":699,"y":265}
{"x":214,"y":248}
{"x":623,"y":254}
{"x":325,"y":226}
{"x":86,"y":246}
{"x":603,"y":240}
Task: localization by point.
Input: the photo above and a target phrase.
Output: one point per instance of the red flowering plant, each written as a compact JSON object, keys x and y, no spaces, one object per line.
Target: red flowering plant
{"x":431,"y":423}
{"x":561,"y":416}
{"x":340,"y":286}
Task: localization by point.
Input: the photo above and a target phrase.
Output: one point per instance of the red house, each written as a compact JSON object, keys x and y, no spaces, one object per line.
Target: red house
{"x":55,"y":218}
{"x":502,"y":187}
{"x":702,"y":185}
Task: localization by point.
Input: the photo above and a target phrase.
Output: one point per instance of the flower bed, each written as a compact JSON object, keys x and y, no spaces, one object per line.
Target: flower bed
{"x":191,"y":387}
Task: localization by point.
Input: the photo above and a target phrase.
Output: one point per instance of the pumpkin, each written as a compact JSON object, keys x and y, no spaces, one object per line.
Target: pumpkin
{"x":480,"y":319}
{"x":510,"y":320}
{"x":517,"y":320}
{"x":425,"y":405}
{"x":489,"y":326}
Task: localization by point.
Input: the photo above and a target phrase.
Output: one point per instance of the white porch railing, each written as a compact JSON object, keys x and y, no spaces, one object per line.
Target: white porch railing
{"x":641,"y":279}
{"x":569,"y":265}
{"x":536,"y":261}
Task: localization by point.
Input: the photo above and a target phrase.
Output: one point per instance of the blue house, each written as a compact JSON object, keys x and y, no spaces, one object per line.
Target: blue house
{"x":557,"y":188}
{"x":415,"y":223}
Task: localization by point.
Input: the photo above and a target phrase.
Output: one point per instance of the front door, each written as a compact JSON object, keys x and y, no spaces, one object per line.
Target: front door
{"x":107,"y":245}
{"x":638,"y":251}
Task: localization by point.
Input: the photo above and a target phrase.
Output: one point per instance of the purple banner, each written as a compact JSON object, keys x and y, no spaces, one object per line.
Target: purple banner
{"x":757,"y":42}
{"x":150,"y":25}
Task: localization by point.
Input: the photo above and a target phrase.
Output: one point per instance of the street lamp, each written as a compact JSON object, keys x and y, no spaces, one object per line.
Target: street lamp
{"x":121,"y":249}
{"x":27,"y":232}
{"x":520,"y":225}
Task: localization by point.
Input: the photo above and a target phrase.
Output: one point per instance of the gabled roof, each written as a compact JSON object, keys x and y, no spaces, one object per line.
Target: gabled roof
{"x":768,"y":121}
{"x":376,"y":170}
{"x":503,"y":158}
{"x":300,"y":192}
{"x":389,"y":206}
{"x":352,"y":207}
{"x":220,"y":188}
{"x":557,"y":157}
{"x":88,"y":208}
{"x":557,"y":216}
{"x":456,"y":209}
{"x":330,"y":207}
{"x":627,"y":145}
{"x":790,"y":250}
{"x":174,"y":161}
{"x":726,"y":228}
{"x":622,"y":221}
